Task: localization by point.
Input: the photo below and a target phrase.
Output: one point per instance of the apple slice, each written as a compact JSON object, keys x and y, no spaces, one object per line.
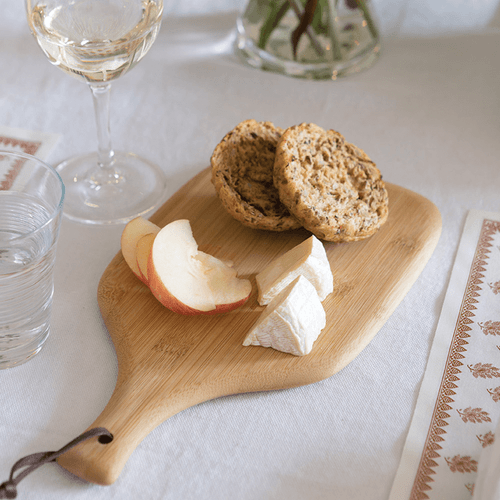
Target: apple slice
{"x":144,"y":246}
{"x":191,"y":282}
{"x":132,"y":233}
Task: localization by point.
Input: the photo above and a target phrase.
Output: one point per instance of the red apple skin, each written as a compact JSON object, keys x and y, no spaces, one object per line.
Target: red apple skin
{"x":142,"y":277}
{"x":170,"y":302}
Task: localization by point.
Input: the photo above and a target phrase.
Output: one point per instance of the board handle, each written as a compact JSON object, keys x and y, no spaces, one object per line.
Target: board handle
{"x":129,"y":418}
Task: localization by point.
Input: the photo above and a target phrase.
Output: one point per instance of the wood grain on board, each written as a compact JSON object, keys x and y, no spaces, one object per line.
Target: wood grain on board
{"x":168,"y":362}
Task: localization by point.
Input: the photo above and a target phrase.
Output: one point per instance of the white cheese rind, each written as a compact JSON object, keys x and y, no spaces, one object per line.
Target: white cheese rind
{"x":292,"y":321}
{"x":308,"y":259}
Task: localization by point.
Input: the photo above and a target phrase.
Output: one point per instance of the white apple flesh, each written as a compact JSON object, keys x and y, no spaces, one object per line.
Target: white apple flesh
{"x":143,"y":249}
{"x":188,"y":281}
{"x":132,"y":233}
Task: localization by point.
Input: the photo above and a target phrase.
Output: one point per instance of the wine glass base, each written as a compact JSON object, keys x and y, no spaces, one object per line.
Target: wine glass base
{"x":131,"y":187}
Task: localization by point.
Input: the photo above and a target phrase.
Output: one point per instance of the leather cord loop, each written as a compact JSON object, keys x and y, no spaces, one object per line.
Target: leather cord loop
{"x":8,"y":489}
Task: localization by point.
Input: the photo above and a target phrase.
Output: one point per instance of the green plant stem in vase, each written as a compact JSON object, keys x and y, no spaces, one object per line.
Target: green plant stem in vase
{"x":315,"y":39}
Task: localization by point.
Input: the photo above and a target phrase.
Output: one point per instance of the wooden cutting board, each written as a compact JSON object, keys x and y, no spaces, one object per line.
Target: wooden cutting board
{"x":168,"y":362}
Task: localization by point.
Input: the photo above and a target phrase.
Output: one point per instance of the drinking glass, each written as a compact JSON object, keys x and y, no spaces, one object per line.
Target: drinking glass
{"x":97,"y":41}
{"x":31,"y":201}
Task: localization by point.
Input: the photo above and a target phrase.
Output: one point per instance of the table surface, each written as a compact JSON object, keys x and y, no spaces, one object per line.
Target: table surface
{"x":427,"y":113}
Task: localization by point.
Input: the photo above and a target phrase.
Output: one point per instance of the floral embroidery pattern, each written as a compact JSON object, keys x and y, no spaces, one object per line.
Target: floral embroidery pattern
{"x":462,"y":464}
{"x":474,"y":415}
{"x":495,"y":394}
{"x":486,"y":439}
{"x":490,"y":327}
{"x":495,"y":287}
{"x":484,"y":370}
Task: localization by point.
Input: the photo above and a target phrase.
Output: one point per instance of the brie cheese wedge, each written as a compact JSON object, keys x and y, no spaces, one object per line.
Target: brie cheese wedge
{"x":307,"y":259}
{"x":292,"y":321}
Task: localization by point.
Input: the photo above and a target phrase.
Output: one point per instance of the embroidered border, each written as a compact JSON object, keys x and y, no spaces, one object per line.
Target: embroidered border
{"x":436,"y":432}
{"x":29,"y":147}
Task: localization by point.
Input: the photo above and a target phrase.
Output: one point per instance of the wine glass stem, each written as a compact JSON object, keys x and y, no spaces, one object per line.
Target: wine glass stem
{"x":101,"y":98}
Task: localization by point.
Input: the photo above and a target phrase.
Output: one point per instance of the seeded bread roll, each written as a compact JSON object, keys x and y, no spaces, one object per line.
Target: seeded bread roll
{"x":329,"y":185}
{"x":242,"y":173}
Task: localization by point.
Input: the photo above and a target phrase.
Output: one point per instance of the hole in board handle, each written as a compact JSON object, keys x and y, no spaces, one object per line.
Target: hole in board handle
{"x":105,"y":439}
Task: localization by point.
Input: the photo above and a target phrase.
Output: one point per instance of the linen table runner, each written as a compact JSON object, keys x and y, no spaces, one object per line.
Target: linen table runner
{"x":458,"y":406}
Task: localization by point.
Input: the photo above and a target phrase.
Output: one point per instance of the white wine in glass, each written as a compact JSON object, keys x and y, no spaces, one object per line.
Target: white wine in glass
{"x":97,"y":41}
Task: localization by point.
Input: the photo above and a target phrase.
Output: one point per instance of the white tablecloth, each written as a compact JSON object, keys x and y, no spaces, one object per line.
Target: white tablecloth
{"x":427,"y":113}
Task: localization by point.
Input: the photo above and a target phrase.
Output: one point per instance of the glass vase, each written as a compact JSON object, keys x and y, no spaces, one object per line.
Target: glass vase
{"x":315,"y":39}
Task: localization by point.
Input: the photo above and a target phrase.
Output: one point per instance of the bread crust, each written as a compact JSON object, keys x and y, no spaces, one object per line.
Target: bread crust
{"x":331,"y":186}
{"x":242,"y":174}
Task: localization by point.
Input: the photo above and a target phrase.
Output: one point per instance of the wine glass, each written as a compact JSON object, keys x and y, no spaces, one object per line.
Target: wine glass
{"x":97,"y":41}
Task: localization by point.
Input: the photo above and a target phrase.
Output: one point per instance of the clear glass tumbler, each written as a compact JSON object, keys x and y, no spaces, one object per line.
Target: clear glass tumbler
{"x":31,"y":201}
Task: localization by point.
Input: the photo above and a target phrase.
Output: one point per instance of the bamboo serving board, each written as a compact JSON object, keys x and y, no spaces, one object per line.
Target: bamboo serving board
{"x":168,"y":362}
